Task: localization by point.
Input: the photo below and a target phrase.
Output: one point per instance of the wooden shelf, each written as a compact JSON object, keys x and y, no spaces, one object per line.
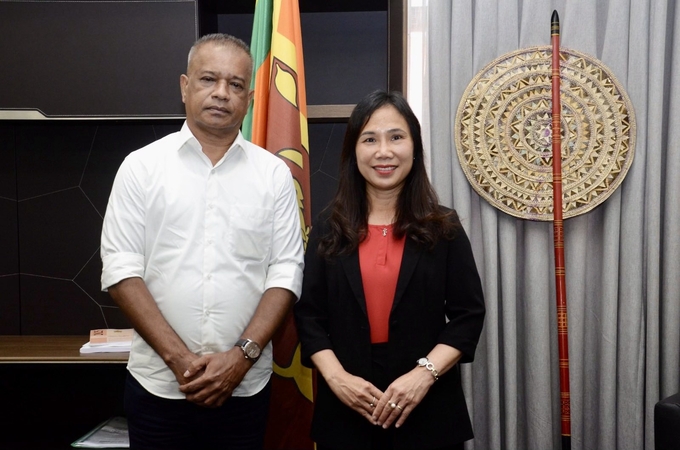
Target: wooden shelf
{"x":327,"y":113}
{"x":52,"y":349}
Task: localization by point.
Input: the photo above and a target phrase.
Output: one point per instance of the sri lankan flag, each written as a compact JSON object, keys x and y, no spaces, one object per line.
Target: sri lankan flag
{"x":277,"y":121}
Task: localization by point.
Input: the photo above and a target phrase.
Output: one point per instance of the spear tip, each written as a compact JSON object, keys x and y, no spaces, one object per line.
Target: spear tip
{"x":555,"y":24}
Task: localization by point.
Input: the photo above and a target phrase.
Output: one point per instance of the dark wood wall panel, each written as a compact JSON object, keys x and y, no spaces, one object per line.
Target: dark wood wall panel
{"x":85,"y":58}
{"x":64,"y":173}
{"x":9,"y":245}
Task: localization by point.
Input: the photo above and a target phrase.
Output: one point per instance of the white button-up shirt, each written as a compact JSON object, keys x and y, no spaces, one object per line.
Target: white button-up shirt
{"x":207,"y":241}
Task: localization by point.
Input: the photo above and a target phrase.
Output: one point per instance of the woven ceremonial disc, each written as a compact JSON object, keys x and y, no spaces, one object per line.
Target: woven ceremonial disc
{"x":503,"y":133}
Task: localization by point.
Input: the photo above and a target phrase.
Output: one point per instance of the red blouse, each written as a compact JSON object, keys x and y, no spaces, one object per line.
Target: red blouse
{"x":380,"y":259}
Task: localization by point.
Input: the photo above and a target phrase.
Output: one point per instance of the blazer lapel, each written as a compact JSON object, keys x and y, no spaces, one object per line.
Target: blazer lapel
{"x":350,"y":264}
{"x":409,"y":261}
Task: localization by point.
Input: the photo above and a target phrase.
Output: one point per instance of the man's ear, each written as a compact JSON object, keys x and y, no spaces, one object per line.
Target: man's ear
{"x":183,"y":82}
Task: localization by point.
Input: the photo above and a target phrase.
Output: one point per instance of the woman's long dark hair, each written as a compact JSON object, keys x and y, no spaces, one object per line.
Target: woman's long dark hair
{"x":419,"y":215}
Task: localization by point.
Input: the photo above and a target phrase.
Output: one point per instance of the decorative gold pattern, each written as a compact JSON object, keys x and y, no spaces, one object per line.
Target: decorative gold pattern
{"x":503,"y":133}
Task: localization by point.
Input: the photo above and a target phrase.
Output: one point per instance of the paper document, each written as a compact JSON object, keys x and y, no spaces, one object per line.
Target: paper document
{"x":108,"y":340}
{"x":109,"y":335}
{"x":114,"y":347}
{"x":112,"y":433}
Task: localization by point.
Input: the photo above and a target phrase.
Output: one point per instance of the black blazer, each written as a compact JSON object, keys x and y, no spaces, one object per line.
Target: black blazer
{"x":433,"y":286}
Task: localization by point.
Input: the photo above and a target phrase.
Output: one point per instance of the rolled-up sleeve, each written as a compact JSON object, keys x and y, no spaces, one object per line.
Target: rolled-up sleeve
{"x":122,"y":241}
{"x":287,"y":257}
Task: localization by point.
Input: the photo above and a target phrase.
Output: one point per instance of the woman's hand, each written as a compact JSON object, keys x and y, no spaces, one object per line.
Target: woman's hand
{"x":356,"y":393}
{"x":402,"y":396}
{"x":353,"y":391}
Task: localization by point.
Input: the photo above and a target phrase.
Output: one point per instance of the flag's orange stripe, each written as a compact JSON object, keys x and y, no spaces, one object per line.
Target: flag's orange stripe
{"x":286,"y":25}
{"x":302,"y":93}
{"x":261,"y":103}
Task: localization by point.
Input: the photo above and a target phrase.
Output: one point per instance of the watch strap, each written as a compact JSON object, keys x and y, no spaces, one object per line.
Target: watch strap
{"x":428,"y":365}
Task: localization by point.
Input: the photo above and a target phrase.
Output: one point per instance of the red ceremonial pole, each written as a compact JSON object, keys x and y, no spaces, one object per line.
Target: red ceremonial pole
{"x":558,"y":231}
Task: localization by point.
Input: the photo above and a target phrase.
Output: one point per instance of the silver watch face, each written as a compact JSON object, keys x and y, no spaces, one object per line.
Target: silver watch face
{"x":252,"y":350}
{"x":422,"y":362}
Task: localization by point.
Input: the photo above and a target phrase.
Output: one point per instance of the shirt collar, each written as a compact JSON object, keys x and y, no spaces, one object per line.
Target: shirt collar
{"x":186,"y":137}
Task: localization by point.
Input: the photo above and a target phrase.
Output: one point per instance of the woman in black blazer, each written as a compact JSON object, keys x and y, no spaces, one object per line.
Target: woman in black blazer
{"x":391,"y":300}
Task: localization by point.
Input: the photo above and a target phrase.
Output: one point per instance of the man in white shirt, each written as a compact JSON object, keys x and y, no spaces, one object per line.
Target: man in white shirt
{"x":201,"y":250}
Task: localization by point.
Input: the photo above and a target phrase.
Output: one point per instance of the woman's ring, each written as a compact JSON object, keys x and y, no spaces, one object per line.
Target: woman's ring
{"x":393,"y":405}
{"x":399,"y":408}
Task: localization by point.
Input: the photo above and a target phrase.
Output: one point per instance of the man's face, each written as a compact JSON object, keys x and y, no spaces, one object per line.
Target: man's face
{"x":216,"y":90}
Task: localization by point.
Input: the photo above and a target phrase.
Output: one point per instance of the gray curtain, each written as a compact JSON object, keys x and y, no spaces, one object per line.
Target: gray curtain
{"x":622,"y":258}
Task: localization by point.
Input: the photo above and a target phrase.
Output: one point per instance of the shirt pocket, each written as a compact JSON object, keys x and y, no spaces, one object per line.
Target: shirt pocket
{"x":250,"y":232}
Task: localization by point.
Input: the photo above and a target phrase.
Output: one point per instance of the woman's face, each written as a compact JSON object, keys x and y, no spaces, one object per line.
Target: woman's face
{"x":385,"y":151}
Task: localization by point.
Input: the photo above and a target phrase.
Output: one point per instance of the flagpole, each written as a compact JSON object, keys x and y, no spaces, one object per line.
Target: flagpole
{"x":558,"y":232}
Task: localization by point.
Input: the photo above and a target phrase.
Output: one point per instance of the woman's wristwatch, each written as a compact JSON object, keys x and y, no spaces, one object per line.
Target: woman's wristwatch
{"x":426,"y":363}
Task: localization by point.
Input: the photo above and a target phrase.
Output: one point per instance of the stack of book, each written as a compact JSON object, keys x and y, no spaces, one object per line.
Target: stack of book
{"x":108,"y":340}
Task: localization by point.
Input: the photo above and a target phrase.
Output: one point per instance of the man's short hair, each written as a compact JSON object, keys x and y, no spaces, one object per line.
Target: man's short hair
{"x":220,"y":39}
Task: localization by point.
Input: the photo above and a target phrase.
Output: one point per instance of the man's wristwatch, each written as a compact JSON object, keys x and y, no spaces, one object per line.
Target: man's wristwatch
{"x":251,"y":349}
{"x":426,"y":363}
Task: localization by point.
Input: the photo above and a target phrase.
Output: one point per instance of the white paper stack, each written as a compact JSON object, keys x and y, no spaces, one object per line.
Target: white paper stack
{"x":112,"y":433}
{"x":108,"y":340}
